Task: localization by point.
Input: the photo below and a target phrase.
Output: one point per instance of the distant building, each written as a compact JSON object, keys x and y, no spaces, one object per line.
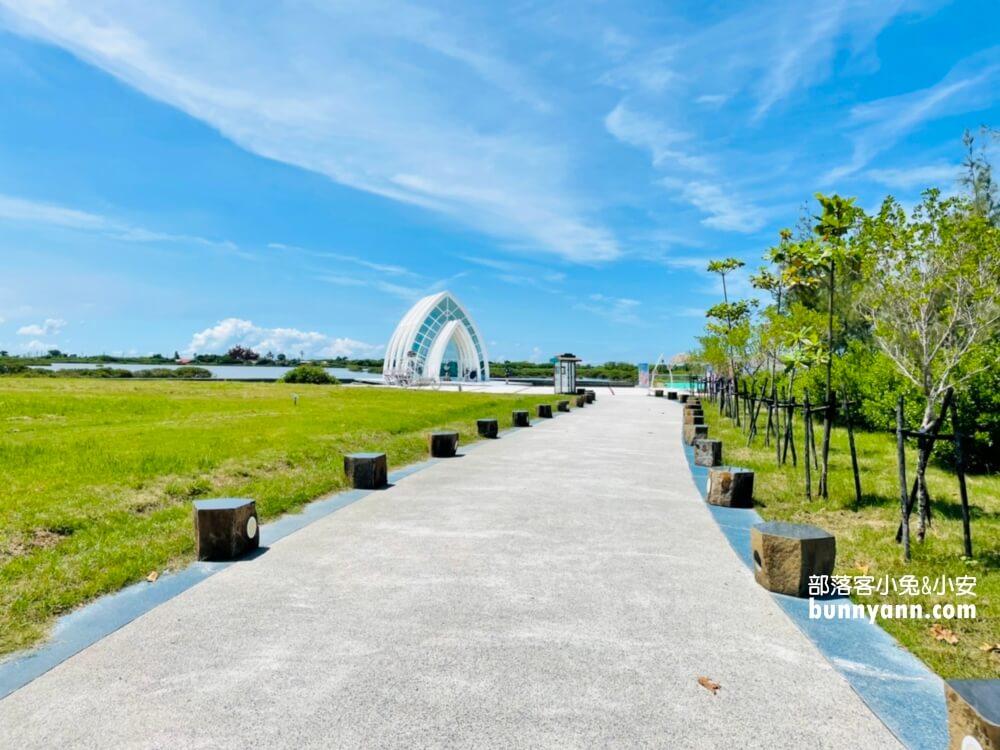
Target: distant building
{"x":436,"y":340}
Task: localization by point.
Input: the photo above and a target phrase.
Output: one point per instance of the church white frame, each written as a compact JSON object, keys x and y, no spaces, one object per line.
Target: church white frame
{"x":417,"y":348}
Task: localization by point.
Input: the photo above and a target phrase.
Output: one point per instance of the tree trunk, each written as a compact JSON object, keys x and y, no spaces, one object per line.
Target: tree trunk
{"x":828,"y":414}
{"x":904,"y":504}
{"x":919,"y":493}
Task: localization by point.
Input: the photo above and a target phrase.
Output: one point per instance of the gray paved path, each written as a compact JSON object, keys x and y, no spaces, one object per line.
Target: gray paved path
{"x":563,"y":586}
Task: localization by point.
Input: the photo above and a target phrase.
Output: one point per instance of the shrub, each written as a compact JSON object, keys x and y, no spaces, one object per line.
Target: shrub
{"x":309,"y":374}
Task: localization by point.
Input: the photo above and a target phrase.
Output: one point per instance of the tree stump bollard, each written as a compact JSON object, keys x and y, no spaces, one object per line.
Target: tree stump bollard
{"x":488,"y":428}
{"x":658,"y":392}
{"x":544,"y":411}
{"x":591,"y":396}
{"x":366,"y":471}
{"x":519,"y":419}
{"x":442,"y":444}
{"x":973,"y":712}
{"x":730,"y":486}
{"x":694,"y":416}
{"x":785,"y":555}
{"x":707,"y":452}
{"x":693,"y":432}
{"x":562,"y":405}
{"x":671,"y":395}
{"x":683,"y":398}
{"x":581,"y":391}
{"x":225,"y":528}
{"x":581,"y":401}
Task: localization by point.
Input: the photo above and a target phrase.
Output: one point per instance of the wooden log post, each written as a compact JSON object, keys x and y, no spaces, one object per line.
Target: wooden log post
{"x":225,"y":528}
{"x":581,"y":401}
{"x":442,"y":444}
{"x":562,"y":405}
{"x":730,"y":487}
{"x":488,"y":428}
{"x":366,"y":471}
{"x":707,"y":452}
{"x":519,"y":418}
{"x":786,"y":555}
{"x":694,"y":431}
{"x":544,"y":411}
{"x":973,"y":714}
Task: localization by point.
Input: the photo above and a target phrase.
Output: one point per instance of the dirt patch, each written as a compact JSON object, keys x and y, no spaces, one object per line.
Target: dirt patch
{"x":24,"y":544}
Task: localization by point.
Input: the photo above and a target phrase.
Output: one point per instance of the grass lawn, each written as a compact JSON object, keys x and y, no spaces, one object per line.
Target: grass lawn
{"x":97,"y":477}
{"x":866,"y":534}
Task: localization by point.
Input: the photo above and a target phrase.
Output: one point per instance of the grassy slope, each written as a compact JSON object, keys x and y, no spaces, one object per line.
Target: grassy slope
{"x":866,"y":534}
{"x":96,"y":477}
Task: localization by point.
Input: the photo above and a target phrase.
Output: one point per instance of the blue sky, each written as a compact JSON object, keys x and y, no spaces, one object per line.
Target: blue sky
{"x":292,"y":176}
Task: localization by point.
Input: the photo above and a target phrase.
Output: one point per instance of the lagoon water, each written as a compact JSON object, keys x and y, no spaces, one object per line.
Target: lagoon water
{"x":224,"y":372}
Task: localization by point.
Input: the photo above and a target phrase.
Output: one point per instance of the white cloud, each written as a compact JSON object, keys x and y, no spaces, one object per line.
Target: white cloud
{"x":237,"y":331}
{"x":645,"y":132}
{"x":20,"y":209}
{"x":521,"y":274}
{"x":51,"y":327}
{"x":14,"y":208}
{"x":651,"y":73}
{"x":616,"y":309}
{"x":386,"y":268}
{"x":342,"y":280}
{"x":727,"y":211}
{"x":712,"y":100}
{"x":942,"y":176}
{"x":405,"y":109}
{"x":973,"y":84}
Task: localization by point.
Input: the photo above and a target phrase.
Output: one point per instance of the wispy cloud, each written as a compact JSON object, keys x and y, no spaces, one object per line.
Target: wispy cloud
{"x":238,"y":331}
{"x":404,"y":109}
{"x":907,"y":178}
{"x":972,"y":84}
{"x":649,"y":133}
{"x":521,"y":274}
{"x":616,"y":309}
{"x":650,"y":73}
{"x":389,"y":269}
{"x":23,"y":210}
{"x":51,"y":327}
{"x":725,"y":210}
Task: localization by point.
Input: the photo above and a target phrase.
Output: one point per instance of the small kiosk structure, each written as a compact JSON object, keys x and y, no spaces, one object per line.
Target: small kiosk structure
{"x":565,"y":373}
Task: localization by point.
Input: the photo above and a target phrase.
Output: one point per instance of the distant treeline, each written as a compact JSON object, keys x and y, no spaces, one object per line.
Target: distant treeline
{"x":620,"y":371}
{"x":22,"y":370}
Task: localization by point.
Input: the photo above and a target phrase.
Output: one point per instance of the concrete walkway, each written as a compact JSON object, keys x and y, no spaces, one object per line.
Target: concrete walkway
{"x":563,"y":586}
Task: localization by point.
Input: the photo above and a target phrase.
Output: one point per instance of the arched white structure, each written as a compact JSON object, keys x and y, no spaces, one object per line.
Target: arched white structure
{"x":419,"y":346}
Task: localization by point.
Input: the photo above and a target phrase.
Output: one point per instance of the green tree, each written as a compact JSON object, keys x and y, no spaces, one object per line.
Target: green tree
{"x":839,"y":215}
{"x":932,"y":296}
{"x":978,"y":176}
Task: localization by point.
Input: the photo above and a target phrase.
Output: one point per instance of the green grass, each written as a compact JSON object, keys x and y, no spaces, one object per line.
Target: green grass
{"x":866,"y":534}
{"x":97,"y":477}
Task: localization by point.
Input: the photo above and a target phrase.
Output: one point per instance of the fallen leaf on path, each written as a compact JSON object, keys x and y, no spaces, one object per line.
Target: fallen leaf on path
{"x":943,"y":634}
{"x":152,"y":576}
{"x":709,"y":684}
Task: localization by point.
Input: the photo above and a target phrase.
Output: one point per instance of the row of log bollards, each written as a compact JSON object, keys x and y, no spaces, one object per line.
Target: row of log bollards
{"x":227,"y":528}
{"x":785,"y":555}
